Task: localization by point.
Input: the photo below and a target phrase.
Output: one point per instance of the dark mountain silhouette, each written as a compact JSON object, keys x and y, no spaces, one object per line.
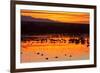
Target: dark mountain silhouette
{"x":32,"y":19}
{"x":30,"y":26}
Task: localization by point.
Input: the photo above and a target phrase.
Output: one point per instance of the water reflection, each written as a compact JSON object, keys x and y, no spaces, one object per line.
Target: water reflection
{"x":54,"y":47}
{"x":71,"y":39}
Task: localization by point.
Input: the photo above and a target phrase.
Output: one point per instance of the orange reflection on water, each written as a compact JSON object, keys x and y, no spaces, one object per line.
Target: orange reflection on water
{"x":32,"y":51}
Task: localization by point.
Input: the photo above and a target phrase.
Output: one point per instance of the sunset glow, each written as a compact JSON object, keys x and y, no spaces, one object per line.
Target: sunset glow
{"x":66,"y":17}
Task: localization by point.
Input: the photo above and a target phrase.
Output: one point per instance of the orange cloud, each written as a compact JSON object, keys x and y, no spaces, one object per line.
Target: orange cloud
{"x":66,"y":17}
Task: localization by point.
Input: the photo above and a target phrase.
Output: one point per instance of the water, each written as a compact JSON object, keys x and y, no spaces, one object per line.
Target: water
{"x":54,"y":47}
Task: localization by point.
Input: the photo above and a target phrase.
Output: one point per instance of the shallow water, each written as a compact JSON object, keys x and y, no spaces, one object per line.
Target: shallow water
{"x":41,"y":48}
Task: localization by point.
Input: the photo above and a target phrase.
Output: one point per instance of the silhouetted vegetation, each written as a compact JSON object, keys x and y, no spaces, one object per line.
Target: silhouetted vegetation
{"x":31,"y":28}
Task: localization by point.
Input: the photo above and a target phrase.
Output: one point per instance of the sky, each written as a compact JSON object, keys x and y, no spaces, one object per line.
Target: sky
{"x":59,"y":16}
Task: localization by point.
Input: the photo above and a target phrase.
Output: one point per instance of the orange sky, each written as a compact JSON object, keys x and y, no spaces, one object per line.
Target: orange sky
{"x":66,"y":17}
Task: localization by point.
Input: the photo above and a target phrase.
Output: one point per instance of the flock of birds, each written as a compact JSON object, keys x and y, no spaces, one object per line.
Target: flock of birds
{"x":72,"y":40}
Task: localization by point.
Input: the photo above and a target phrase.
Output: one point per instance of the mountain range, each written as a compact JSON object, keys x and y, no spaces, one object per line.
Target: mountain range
{"x":30,"y":26}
